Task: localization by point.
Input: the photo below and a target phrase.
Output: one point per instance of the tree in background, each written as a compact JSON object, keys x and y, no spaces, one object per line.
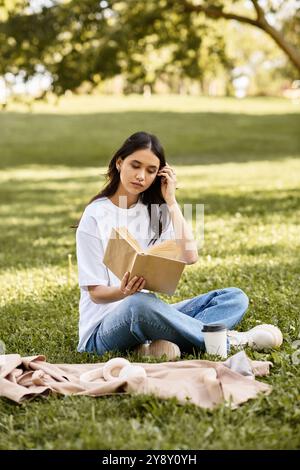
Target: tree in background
{"x":87,"y":42}
{"x":257,"y":18}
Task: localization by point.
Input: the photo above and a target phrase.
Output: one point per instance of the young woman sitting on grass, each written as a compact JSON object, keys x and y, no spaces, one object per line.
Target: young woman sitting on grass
{"x":121,"y":315}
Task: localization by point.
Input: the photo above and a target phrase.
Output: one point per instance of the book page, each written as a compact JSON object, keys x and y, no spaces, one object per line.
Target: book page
{"x":166,"y":249}
{"x":124,"y":233}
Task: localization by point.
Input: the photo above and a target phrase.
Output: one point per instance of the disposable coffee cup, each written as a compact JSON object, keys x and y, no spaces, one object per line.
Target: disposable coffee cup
{"x":215,"y":339}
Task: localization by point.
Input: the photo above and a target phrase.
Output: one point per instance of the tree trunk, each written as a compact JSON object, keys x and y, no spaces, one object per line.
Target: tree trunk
{"x":277,"y":36}
{"x":217,"y":12}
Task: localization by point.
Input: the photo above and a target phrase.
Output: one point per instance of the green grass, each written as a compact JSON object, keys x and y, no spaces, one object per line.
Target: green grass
{"x":86,"y":131}
{"x":238,"y":157}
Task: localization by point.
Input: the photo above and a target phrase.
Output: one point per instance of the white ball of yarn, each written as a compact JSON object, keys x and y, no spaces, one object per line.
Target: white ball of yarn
{"x":132,"y":371}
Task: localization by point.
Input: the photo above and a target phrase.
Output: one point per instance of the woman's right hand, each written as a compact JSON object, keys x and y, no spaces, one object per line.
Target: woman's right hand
{"x":134,"y":285}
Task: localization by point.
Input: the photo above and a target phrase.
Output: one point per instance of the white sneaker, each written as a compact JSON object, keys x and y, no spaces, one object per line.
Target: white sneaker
{"x":158,"y":348}
{"x":260,"y":337}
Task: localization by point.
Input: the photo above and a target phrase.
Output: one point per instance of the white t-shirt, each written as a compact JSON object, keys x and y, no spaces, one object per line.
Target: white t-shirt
{"x":92,"y":236}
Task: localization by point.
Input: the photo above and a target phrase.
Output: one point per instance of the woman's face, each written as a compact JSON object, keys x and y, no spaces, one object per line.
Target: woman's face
{"x":140,"y":167}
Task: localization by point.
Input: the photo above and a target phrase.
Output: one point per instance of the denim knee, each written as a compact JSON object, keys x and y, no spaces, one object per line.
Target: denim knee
{"x":147,"y":317}
{"x":140,"y":300}
{"x":240,"y":298}
{"x":141,"y":305}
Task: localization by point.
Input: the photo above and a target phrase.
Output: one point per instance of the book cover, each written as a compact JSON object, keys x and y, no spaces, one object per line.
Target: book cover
{"x":160,"y":264}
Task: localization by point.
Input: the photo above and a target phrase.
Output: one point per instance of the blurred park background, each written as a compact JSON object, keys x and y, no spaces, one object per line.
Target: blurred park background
{"x":218,"y":83}
{"x":212,"y":48}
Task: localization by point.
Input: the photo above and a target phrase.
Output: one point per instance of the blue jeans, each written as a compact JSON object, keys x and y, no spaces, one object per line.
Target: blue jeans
{"x":143,"y":316}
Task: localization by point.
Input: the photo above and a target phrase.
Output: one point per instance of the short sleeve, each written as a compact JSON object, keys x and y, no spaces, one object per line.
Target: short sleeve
{"x":89,"y":252}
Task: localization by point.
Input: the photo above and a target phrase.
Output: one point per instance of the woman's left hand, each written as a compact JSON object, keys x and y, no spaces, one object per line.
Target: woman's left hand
{"x":168,"y":183}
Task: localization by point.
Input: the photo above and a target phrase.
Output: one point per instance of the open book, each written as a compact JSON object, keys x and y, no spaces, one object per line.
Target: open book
{"x":160,"y":265}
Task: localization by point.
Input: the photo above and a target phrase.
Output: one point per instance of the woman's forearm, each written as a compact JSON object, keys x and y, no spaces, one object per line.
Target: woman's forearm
{"x":105,"y":294}
{"x":183,"y":234}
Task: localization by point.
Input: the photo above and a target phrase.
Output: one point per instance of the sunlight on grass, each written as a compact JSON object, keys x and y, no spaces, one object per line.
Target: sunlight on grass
{"x":245,"y":169}
{"x":86,"y":131}
{"x":244,"y":225}
{"x":160,"y":103}
{"x":44,"y":173}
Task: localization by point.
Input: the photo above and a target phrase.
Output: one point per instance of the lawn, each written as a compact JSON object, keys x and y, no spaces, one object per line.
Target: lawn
{"x":240,"y":158}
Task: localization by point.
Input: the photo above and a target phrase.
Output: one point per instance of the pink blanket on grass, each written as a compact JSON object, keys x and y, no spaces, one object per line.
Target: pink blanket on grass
{"x":203,"y":383}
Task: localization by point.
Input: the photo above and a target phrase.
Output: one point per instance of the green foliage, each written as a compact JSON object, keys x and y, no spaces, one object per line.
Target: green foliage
{"x":251,"y":202}
{"x":291,"y":30}
{"x":82,"y":41}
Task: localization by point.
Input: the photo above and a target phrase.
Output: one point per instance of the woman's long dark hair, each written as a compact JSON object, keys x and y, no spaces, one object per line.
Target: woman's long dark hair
{"x":152,"y":195}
